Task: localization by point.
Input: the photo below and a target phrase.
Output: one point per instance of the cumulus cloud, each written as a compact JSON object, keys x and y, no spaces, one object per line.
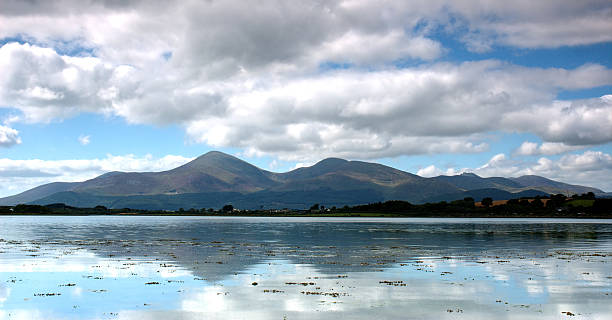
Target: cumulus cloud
{"x":528,"y":148}
{"x":9,"y":136}
{"x":19,"y":175}
{"x":433,"y":171}
{"x":255,"y":77}
{"x":581,"y":122}
{"x":45,"y":85}
{"x":408,"y":111}
{"x":438,"y":108}
{"x":278,"y":31}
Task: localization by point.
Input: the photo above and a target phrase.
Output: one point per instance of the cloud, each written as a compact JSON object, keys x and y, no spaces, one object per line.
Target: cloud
{"x":84,"y":140}
{"x":433,"y":171}
{"x":259,"y":77}
{"x":26,"y":173}
{"x":590,"y":168}
{"x":580,"y":122}
{"x":221,"y":39}
{"x":46,"y":86}
{"x":110,"y":163}
{"x":19,"y":175}
{"x":547,"y":148}
{"x":549,"y":24}
{"x":273,"y":31}
{"x":524,"y":24}
{"x":438,"y":108}
{"x":367,"y":49}
{"x":528,"y":148}
{"x":9,"y":136}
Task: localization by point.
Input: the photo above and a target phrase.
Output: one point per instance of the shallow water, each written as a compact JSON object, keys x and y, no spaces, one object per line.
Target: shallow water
{"x":103,"y":267}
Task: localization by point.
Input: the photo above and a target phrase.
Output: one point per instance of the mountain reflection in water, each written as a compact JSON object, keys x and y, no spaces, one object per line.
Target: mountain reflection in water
{"x":194,"y":267}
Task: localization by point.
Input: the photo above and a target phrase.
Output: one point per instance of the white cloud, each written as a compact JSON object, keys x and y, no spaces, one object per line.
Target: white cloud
{"x":588,"y":161}
{"x":429,"y":171}
{"x":547,"y":148}
{"x":528,"y":148}
{"x":433,"y":171}
{"x":377,"y":48}
{"x":302,"y":165}
{"x":20,"y":175}
{"x":46,"y":86}
{"x":84,"y":140}
{"x":389,"y":112}
{"x":252,"y":77}
{"x":590,"y":168}
{"x":273,"y":31}
{"x":9,"y":136}
{"x":580,"y":122}
{"x":499,"y":166}
{"x":438,"y":108}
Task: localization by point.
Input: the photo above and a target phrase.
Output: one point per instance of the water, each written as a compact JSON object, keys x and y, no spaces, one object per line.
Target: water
{"x":102,"y":267}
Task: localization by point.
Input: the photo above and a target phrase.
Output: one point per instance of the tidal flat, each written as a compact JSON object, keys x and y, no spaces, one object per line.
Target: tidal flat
{"x":154,"y":267}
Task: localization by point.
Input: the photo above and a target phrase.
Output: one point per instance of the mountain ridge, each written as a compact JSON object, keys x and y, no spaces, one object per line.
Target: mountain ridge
{"x":218,"y":177}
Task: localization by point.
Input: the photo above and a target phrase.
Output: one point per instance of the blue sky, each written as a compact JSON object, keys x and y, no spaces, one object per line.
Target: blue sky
{"x":432,"y":87}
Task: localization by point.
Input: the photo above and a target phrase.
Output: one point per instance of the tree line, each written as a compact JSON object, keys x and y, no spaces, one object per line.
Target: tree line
{"x":577,"y":206}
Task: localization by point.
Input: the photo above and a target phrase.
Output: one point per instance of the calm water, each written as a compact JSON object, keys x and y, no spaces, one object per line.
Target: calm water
{"x":293,"y":268}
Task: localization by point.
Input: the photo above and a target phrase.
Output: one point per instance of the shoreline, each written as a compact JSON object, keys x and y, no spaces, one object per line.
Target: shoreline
{"x":332,"y":215}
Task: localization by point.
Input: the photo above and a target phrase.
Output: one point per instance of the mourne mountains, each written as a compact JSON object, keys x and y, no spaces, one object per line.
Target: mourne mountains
{"x":215,"y":179}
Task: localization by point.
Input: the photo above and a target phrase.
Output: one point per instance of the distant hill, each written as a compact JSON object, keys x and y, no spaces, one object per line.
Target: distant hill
{"x":552,"y":186}
{"x":37,"y":193}
{"x":470,"y":181}
{"x":215,"y":179}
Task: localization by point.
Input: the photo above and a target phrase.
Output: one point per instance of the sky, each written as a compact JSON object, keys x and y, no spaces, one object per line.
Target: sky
{"x":430,"y":87}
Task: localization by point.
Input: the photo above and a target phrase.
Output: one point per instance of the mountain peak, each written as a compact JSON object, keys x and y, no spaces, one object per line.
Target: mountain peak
{"x":533,"y":176}
{"x":331,"y":162}
{"x":213,"y":158}
{"x":215,"y":155}
{"x":470,"y":174}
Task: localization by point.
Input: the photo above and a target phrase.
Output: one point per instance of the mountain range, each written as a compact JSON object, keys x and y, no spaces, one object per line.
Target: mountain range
{"x":215,"y":179}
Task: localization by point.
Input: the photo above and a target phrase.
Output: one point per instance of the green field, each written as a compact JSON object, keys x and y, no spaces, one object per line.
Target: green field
{"x":581,"y":203}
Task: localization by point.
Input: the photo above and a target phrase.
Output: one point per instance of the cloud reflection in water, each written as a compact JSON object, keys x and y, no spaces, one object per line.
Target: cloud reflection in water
{"x":166,"y":268}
